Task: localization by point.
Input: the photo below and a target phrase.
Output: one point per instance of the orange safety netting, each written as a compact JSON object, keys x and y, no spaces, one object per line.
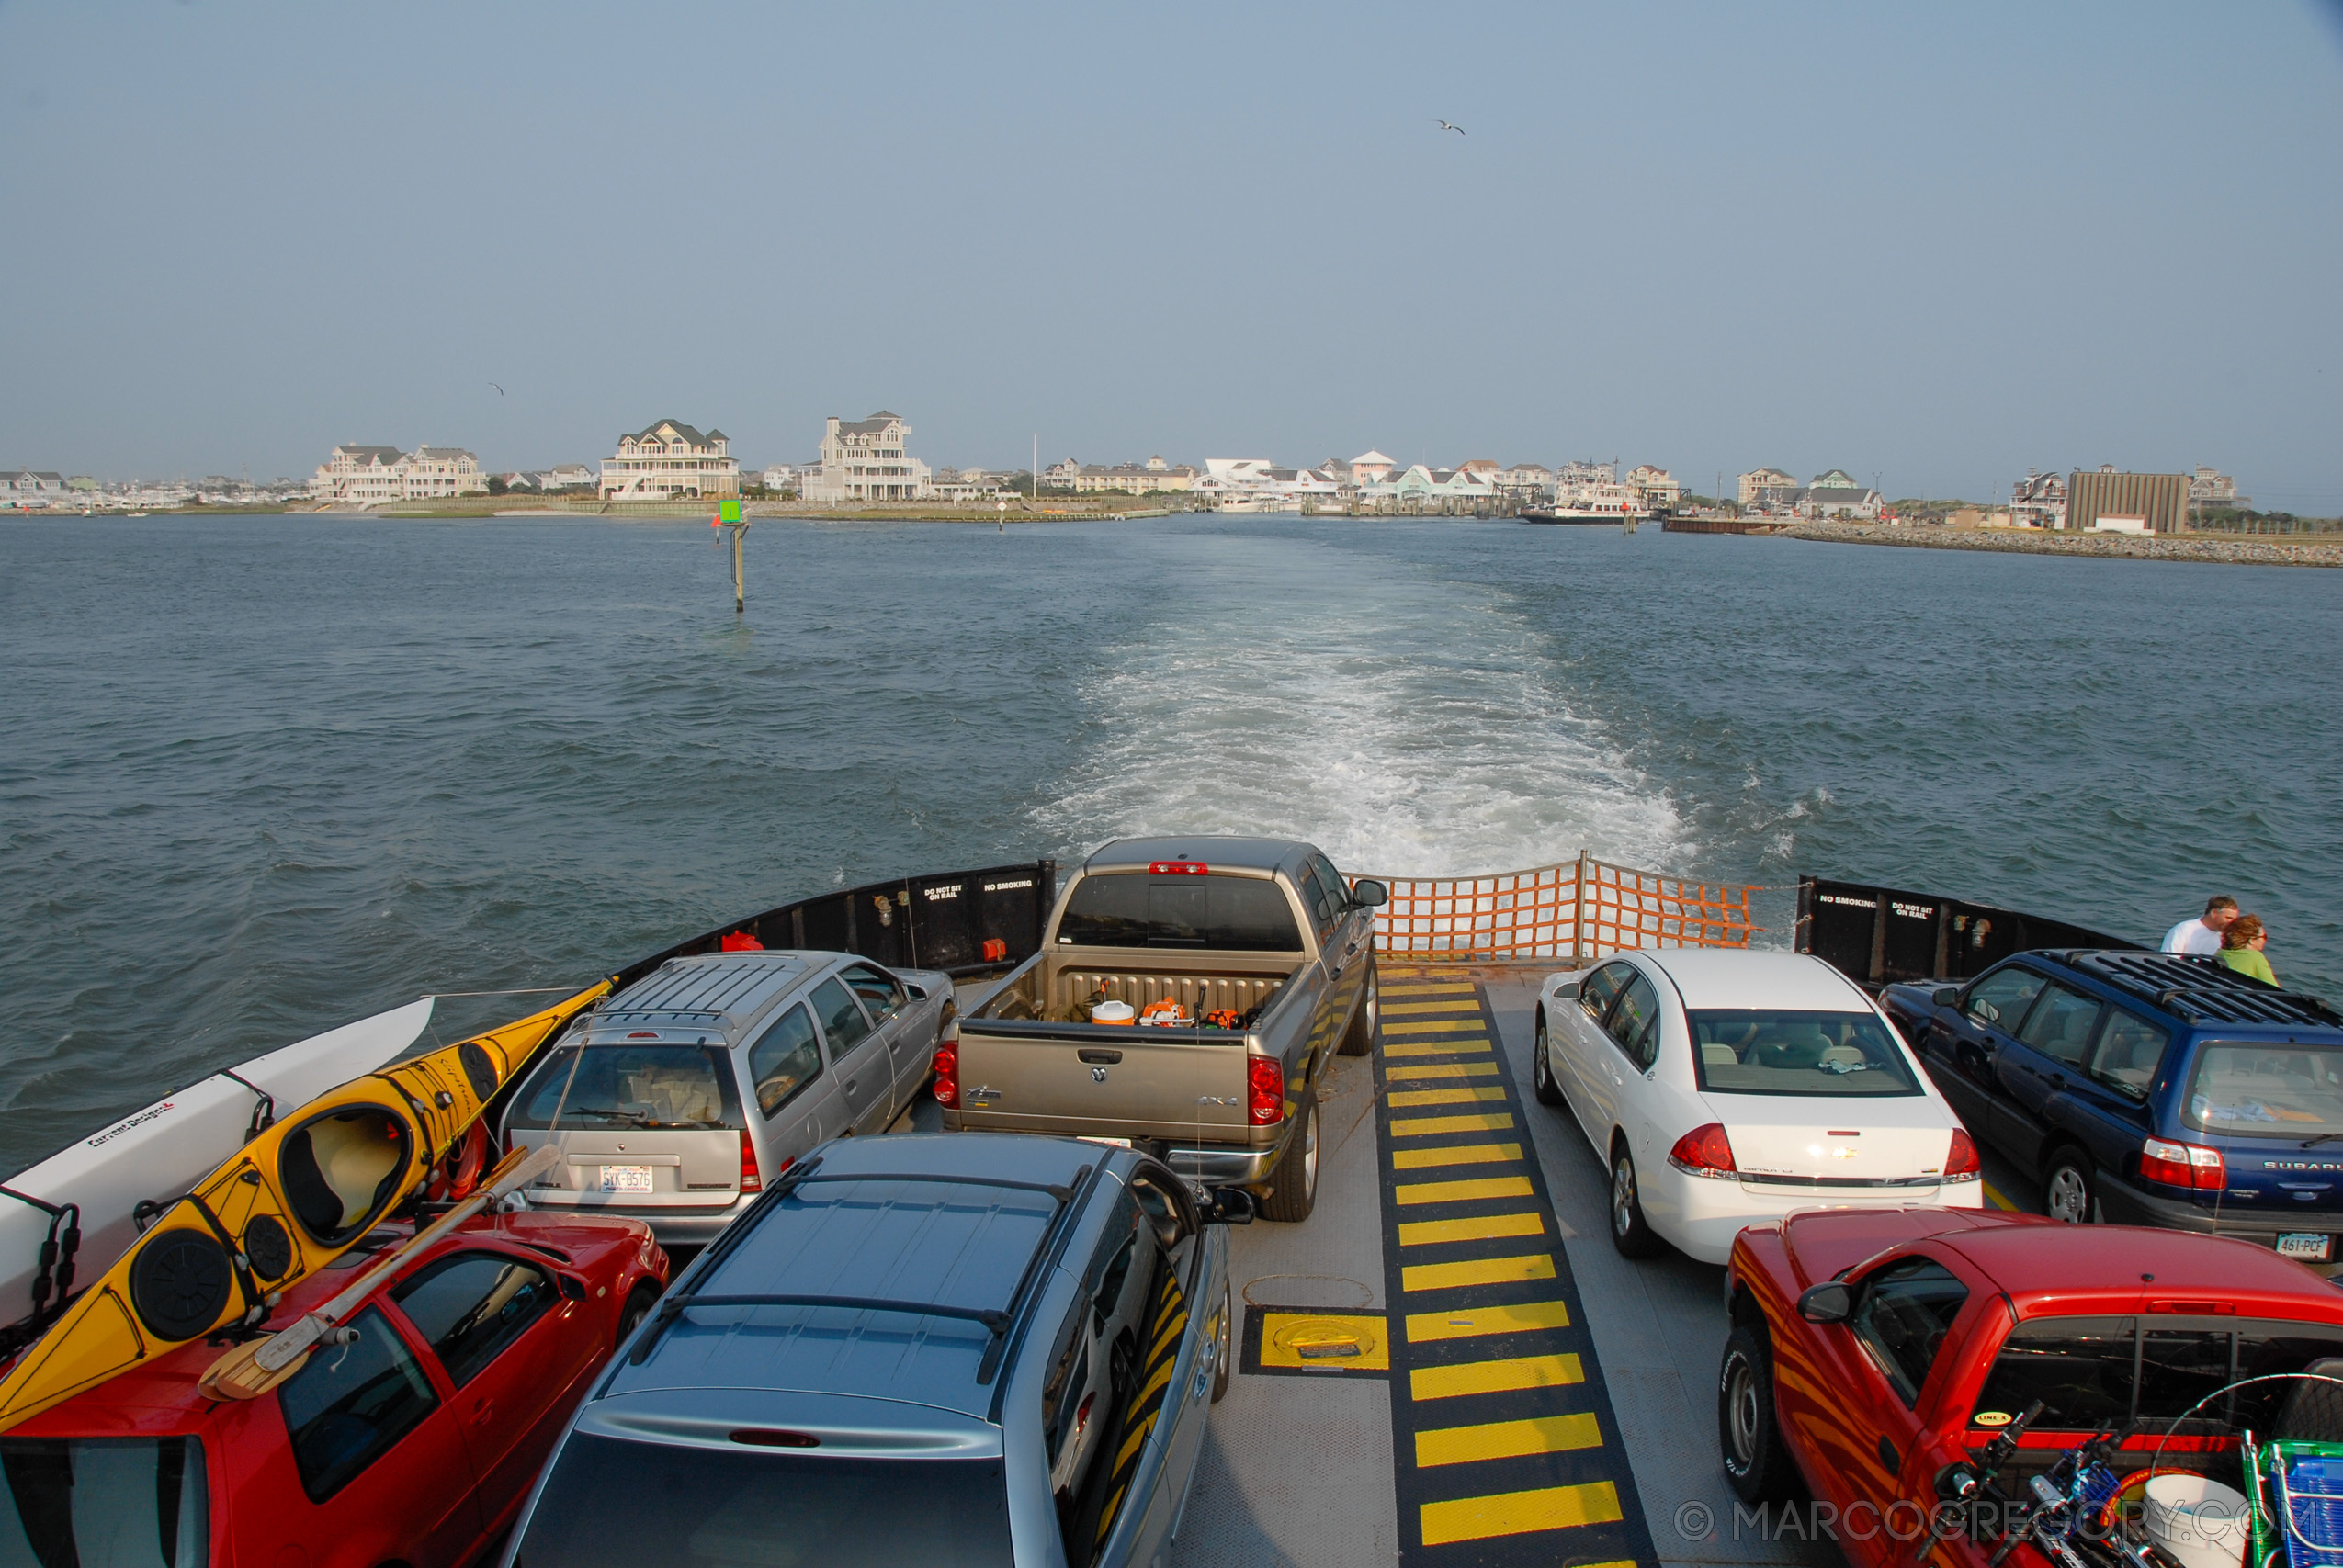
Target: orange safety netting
{"x":1558,"y":911}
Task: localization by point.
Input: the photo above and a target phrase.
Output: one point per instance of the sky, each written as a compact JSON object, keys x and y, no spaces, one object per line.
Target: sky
{"x":1938,"y":245}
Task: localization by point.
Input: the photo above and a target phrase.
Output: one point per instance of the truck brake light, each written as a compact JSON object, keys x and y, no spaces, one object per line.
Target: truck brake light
{"x":1704,"y":1151}
{"x":947,"y":1075}
{"x":2182,"y":1165}
{"x":1178,"y":868}
{"x":1266,"y":1090}
{"x":750,"y":1181}
{"x":1961,"y":1162}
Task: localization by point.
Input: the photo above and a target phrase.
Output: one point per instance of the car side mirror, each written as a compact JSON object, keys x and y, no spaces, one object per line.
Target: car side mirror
{"x":1366,"y":893}
{"x":1946,"y":997}
{"x":1566,"y":990}
{"x":1829,"y":1301}
{"x":573,"y":1289}
{"x":1230,"y":1206}
{"x":919,"y":993}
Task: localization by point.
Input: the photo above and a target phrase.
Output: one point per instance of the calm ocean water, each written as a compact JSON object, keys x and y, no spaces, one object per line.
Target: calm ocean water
{"x":264,"y":775}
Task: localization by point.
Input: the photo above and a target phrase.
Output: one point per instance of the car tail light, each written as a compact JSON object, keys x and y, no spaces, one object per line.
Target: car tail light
{"x":1265,"y":1086}
{"x":947,"y":1075}
{"x":1178,"y":868}
{"x":2182,"y":1165}
{"x":1961,"y":1163}
{"x":752,"y":1180}
{"x":1704,"y":1151}
{"x":1082,"y":1416}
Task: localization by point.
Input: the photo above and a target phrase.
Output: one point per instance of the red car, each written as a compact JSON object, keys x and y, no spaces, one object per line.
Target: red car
{"x":1879,"y":1354}
{"x":414,"y":1444}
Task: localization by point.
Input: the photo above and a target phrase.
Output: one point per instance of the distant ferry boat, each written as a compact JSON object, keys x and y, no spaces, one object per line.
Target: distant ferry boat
{"x":1591,"y":492}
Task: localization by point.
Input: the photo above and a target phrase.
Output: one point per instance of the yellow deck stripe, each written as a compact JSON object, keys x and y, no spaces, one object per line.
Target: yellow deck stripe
{"x":1439,"y":1048}
{"x":1455,"y":1154}
{"x":1471,"y":1323}
{"x":1507,"y":1440}
{"x":1426,"y":989}
{"x":1462,"y":1027}
{"x":1518,"y":1513}
{"x":1425,"y":1126}
{"x":1477,"y":1272}
{"x":1415,"y":1071}
{"x":1479,"y":1228}
{"x":1495,"y":1377}
{"x":1464,"y":1007}
{"x":1494,"y":1092}
{"x":1459,"y":1191}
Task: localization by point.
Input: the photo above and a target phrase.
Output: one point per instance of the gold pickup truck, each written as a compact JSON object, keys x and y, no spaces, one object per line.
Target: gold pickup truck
{"x":1265,"y":956}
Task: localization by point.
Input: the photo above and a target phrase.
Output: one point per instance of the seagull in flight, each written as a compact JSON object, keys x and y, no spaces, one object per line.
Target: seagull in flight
{"x":1457,"y":128}
{"x":500,"y":391}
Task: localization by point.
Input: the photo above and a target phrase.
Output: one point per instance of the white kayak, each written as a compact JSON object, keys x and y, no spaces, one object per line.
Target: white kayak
{"x":159,"y":1153}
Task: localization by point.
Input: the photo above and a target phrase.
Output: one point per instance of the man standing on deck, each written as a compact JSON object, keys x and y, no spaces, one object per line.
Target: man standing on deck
{"x":2201,"y":938}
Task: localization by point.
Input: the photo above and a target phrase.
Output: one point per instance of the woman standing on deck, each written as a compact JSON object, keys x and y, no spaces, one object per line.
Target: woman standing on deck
{"x":2241,"y":948}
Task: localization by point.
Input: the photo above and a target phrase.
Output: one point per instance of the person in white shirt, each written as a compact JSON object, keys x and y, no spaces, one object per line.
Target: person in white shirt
{"x":2201,"y":937}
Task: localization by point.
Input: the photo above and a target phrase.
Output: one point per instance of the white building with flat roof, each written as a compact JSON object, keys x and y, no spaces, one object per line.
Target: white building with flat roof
{"x":671,"y":461}
{"x":866,"y":459}
{"x":370,"y":475}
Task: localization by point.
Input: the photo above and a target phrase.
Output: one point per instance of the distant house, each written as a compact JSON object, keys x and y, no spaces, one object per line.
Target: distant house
{"x":26,"y":482}
{"x":1130,"y":479}
{"x":1527,"y":481}
{"x":2210,"y":492}
{"x":1754,"y":485}
{"x":2038,"y":501}
{"x":369,"y":476}
{"x":566,"y":475}
{"x":1835,"y":494}
{"x":671,"y":461}
{"x":1655,"y":487}
{"x":1372,"y":468}
{"x":519,"y":481}
{"x":866,"y":459}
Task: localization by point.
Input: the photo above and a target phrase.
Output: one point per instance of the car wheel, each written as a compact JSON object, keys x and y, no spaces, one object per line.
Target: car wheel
{"x":1293,"y":1188}
{"x":1542,"y":1067}
{"x":2068,"y":1191}
{"x":1747,"y":1438}
{"x":1223,"y":1344}
{"x":640,"y":1301}
{"x":1630,"y":1232}
{"x":1358,"y":1039}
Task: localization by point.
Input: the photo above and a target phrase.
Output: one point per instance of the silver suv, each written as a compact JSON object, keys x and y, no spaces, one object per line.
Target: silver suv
{"x":680,"y":1097}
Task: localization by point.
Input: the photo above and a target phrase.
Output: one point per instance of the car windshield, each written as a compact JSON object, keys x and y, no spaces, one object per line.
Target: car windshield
{"x":1230,"y":914}
{"x":1819,"y":1053}
{"x":631,"y":1086}
{"x":2266,"y":1091}
{"x":616,"y":1504}
{"x":2094,"y":1373}
{"x":118,"y":1502}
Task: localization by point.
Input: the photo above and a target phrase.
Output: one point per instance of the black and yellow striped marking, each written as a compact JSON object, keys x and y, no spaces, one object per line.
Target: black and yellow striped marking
{"x":1503,"y":1442}
{"x":1167,"y":1320}
{"x":1302,"y":1342}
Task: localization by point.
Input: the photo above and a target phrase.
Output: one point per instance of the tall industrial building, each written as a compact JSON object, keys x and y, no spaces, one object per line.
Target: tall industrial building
{"x":2151,"y":503}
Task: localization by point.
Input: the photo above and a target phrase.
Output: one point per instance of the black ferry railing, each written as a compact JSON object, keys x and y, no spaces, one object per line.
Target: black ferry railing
{"x":1880,"y":936}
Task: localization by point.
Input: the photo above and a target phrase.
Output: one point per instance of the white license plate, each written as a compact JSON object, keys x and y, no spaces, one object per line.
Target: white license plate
{"x":633,"y":1179}
{"x":2306,"y":1245}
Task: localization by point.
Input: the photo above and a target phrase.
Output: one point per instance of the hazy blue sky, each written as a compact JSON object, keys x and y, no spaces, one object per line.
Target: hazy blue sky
{"x":1941,"y":243}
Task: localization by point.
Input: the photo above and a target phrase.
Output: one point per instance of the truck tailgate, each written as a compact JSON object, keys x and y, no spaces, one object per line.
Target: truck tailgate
{"x":1107,"y":1081}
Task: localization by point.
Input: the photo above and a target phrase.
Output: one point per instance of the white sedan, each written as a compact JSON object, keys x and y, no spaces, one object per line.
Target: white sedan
{"x":1725,"y":1088}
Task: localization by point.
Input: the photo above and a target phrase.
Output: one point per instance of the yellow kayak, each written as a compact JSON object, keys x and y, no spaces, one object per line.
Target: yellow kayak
{"x":292,"y":1200}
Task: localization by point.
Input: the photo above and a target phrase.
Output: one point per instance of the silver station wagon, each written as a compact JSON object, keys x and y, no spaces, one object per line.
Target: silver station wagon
{"x":679,"y":1097}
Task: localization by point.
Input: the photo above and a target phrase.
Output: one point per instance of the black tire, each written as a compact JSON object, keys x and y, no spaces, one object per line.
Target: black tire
{"x":1542,"y":1067}
{"x":1293,"y":1187}
{"x":1630,"y":1232}
{"x":2070,"y":1186}
{"x":1225,"y":1344}
{"x":640,"y":1301}
{"x":1359,"y":1038}
{"x":1747,"y":1437}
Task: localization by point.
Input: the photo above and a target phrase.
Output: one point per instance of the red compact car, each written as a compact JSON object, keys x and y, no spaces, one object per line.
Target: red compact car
{"x":1898,"y":1359}
{"x":413,"y":1443}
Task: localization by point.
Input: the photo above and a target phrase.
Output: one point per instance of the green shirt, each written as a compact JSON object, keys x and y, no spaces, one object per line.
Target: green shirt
{"x":2247,"y":961}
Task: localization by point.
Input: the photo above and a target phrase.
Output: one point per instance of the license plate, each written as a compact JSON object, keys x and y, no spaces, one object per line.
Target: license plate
{"x":2306,"y":1245}
{"x":637,"y":1179}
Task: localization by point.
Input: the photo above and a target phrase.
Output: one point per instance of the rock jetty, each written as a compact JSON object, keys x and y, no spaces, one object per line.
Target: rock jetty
{"x":2243,"y":550}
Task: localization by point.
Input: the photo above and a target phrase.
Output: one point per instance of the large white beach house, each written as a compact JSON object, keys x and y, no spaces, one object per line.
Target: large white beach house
{"x":671,"y":461}
{"x":866,"y":459}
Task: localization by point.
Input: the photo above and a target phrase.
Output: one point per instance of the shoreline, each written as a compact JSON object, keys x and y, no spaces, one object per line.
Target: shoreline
{"x":2200,"y":548}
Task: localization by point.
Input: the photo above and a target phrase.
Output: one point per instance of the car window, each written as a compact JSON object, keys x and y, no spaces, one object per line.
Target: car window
{"x":2092,"y":1373}
{"x":631,"y":1086}
{"x":2130,"y":1051}
{"x":1324,"y":907}
{"x":882,"y":995}
{"x":841,"y":1019}
{"x":1905,"y":1310}
{"x":119,"y":1502}
{"x":2060,"y":1024}
{"x":1067,"y":1405}
{"x":1595,"y":995}
{"x":2241,"y":1089}
{"x":2002,"y":996}
{"x":1635,"y":1022}
{"x":1233,"y":914}
{"x":784,"y":1059}
{"x":1742,"y":1051}
{"x":471,"y":1306}
{"x":1332,"y":881}
{"x":351,"y":1404}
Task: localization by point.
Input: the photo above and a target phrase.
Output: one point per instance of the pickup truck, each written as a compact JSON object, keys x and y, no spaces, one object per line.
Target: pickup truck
{"x":1260,"y":941}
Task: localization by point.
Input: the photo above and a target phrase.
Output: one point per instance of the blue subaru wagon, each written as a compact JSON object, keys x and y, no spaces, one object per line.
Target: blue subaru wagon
{"x":2148,"y":1088}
